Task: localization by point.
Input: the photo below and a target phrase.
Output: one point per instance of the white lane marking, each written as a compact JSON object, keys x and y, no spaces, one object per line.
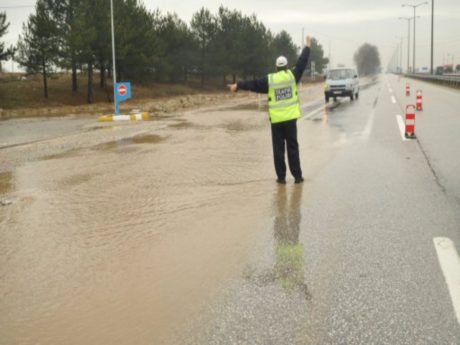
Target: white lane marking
{"x":368,"y":129}
{"x":390,"y":89}
{"x":393,"y":99}
{"x":402,"y":127}
{"x":450,"y":265}
{"x":314,"y":112}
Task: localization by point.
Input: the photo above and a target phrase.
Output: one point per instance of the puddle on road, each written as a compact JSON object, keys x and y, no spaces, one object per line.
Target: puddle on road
{"x":288,"y":268}
{"x":75,"y":180}
{"x":97,"y":128}
{"x":123,"y":143}
{"x":289,"y":252}
{"x":246,"y":106}
{"x":182,"y":125}
{"x":65,"y":154}
{"x":6,"y":182}
{"x":154,"y":117}
{"x":240,"y":126}
{"x":147,"y":139}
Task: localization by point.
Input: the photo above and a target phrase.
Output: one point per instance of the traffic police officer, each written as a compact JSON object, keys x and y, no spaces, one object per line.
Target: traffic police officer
{"x":284,"y":110}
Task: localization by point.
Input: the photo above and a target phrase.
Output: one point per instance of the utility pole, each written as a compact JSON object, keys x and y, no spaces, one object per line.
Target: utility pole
{"x":432,"y":35}
{"x":400,"y":51}
{"x":408,"y":40}
{"x":113,"y":58}
{"x":414,"y":7}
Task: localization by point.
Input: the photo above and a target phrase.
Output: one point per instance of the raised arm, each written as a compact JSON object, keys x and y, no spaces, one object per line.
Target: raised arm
{"x":303,"y":60}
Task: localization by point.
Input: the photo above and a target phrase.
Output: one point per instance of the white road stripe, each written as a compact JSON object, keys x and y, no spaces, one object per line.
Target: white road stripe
{"x":402,"y":127}
{"x":393,"y":99}
{"x":390,"y":89}
{"x":450,"y":265}
{"x":314,"y":112}
{"x":368,"y":129}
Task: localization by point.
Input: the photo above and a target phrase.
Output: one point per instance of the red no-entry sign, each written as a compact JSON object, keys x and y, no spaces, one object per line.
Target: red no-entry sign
{"x":122,"y":93}
{"x":122,"y":90}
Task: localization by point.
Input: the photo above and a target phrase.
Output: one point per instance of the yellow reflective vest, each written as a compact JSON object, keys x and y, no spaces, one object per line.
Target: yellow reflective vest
{"x":283,"y":100}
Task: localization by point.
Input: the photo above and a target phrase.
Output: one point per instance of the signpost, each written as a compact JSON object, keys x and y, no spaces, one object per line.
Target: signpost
{"x":117,"y":110}
{"x":122,"y":93}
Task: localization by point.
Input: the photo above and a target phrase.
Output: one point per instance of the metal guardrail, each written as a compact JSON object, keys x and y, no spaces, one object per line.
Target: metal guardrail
{"x":446,"y":79}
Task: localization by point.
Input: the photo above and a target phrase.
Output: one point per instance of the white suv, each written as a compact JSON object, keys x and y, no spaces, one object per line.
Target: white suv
{"x":342,"y":82}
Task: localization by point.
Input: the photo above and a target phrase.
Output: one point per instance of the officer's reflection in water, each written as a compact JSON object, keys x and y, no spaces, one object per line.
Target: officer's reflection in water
{"x":289,"y":266}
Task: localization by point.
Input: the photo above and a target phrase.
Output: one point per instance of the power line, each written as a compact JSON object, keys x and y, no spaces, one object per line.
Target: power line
{"x":15,"y":7}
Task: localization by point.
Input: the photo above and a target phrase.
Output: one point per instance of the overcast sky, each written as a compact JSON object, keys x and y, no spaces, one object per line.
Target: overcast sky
{"x":339,"y":25}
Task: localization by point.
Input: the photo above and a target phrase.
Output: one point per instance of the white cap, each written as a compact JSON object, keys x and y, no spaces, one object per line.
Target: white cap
{"x":281,"y":61}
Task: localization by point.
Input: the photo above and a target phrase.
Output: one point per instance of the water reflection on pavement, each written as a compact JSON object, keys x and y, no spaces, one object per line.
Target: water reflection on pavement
{"x":118,"y":236}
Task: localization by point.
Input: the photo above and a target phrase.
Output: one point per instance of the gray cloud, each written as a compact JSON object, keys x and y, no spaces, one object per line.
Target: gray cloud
{"x":340,"y":25}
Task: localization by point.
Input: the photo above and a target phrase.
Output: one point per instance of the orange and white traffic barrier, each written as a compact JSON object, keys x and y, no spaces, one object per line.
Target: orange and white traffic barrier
{"x":419,"y":100}
{"x":410,"y":121}
{"x":407,"y":89}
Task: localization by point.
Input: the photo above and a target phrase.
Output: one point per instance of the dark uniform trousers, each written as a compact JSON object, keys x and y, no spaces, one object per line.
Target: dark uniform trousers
{"x":285,"y":133}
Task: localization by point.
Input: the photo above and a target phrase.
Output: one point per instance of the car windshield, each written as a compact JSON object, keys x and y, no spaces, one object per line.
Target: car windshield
{"x":338,"y":74}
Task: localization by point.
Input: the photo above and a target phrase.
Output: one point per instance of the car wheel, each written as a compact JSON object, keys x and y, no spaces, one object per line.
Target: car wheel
{"x":327,"y":99}
{"x":335,"y":99}
{"x":357,"y":95}
{"x":352,"y":97}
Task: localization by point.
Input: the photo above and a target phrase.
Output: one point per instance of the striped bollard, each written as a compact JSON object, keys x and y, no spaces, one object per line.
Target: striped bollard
{"x":410,"y":121}
{"x":407,"y":89}
{"x":419,"y":100}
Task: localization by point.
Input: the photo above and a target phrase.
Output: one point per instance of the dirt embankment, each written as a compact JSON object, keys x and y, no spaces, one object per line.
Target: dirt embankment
{"x":22,"y":96}
{"x":159,"y":106}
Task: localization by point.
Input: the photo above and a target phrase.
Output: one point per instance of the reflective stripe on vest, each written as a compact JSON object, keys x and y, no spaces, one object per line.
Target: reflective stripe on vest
{"x":283,"y":100}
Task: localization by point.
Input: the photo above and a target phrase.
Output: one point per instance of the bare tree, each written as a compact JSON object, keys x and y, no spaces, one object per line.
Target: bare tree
{"x":367,"y":59}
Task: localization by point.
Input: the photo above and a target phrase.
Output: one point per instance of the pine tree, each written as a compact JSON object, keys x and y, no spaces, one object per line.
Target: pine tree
{"x":138,"y":46}
{"x":38,"y":45}
{"x":317,"y":55}
{"x":204,"y":29}
{"x":85,"y":41}
{"x":176,"y":44}
{"x":282,"y":45}
{"x":367,"y":59}
{"x":63,"y":13}
{"x":5,"y":54}
{"x":229,"y":37}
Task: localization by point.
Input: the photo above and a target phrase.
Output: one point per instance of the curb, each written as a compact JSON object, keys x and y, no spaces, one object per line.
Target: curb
{"x":132,"y":117}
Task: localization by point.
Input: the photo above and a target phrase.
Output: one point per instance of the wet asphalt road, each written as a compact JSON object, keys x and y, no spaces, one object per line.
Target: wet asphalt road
{"x":214,"y":252}
{"x":364,"y":226}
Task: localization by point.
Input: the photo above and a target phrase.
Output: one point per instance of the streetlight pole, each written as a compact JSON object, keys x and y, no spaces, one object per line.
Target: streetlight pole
{"x":408,"y":40}
{"x":400,"y":51}
{"x":113,"y":58}
{"x":414,"y":7}
{"x":432,"y":35}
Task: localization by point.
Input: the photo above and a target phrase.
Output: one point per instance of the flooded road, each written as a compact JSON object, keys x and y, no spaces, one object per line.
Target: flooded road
{"x":174,"y":232}
{"x":119,"y":233}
